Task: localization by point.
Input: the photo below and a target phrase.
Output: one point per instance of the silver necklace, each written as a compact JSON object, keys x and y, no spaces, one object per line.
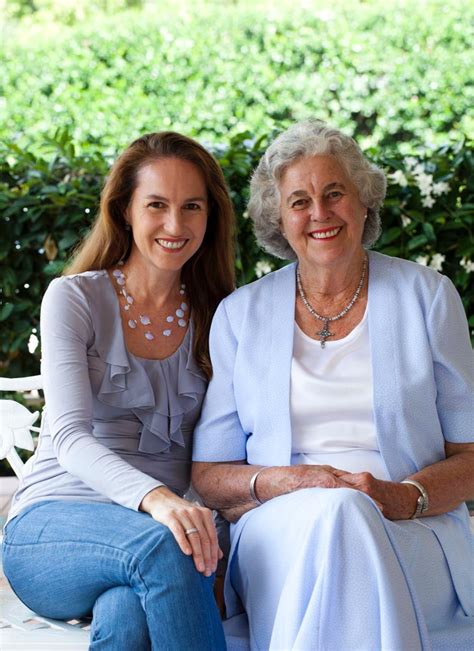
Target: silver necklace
{"x":181,"y":315}
{"x":324,"y":333}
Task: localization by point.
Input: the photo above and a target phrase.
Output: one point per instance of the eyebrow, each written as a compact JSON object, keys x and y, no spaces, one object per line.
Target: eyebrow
{"x":157,"y":197}
{"x":332,"y":186}
{"x":296,"y":193}
{"x":303,"y":193}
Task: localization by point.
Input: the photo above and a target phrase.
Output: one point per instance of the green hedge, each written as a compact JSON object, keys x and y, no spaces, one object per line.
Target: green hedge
{"x":392,"y":72}
{"x":47,"y":203}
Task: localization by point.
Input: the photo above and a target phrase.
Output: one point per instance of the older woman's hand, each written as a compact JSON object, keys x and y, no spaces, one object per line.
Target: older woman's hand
{"x":313,"y":476}
{"x":396,"y":501}
{"x":180,"y":515}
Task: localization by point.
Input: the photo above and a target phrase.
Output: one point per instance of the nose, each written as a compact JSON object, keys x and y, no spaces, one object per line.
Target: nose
{"x":319,"y":211}
{"x":174,"y":221}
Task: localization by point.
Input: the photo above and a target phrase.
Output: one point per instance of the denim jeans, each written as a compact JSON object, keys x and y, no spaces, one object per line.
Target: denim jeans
{"x":68,"y":560}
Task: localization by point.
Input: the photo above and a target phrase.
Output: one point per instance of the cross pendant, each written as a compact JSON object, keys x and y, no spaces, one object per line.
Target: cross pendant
{"x":325,"y":333}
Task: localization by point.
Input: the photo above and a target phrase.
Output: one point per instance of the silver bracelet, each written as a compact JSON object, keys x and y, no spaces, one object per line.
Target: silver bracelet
{"x":252,"y":492}
{"x":423,"y":502}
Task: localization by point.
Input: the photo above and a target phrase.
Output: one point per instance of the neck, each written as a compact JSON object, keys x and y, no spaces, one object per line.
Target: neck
{"x":331,"y":281}
{"x":147,"y":284}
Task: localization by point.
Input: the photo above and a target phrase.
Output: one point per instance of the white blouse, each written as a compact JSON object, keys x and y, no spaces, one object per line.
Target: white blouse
{"x":331,"y":403}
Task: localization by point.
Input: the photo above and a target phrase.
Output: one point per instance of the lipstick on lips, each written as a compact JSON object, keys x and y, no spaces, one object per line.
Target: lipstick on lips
{"x":325,"y":233}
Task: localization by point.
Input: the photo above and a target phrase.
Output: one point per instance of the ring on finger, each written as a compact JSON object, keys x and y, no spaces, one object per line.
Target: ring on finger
{"x":190,"y":531}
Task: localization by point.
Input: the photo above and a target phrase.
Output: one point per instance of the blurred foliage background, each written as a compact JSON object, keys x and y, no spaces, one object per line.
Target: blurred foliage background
{"x":81,"y":79}
{"x":392,"y":72}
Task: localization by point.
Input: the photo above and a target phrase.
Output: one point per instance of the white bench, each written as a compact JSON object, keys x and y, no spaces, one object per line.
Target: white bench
{"x":21,"y":628}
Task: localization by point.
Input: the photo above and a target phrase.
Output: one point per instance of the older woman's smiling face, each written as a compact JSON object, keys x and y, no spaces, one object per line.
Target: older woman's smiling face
{"x":322,"y":216}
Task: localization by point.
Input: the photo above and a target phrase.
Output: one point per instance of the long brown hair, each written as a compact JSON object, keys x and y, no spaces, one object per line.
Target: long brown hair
{"x":210,"y":274}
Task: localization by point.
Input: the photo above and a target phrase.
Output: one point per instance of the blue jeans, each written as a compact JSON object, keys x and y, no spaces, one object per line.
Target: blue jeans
{"x":67,"y":560}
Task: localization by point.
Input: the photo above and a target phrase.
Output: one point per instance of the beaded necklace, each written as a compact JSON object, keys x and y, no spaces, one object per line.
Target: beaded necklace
{"x":180,"y":316}
{"x":324,"y":333}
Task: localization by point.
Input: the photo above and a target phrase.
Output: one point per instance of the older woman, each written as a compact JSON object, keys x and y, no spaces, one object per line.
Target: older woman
{"x":99,"y":524}
{"x":347,"y":370}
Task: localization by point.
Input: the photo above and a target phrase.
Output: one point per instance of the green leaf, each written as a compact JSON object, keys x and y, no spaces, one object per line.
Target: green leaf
{"x":390,"y":235}
{"x":417,"y":241}
{"x":429,"y":232}
{"x":5,"y":310}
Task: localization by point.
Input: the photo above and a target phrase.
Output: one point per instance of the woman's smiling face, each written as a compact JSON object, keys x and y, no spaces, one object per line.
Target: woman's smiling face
{"x":322,"y":216}
{"x":168,"y":213}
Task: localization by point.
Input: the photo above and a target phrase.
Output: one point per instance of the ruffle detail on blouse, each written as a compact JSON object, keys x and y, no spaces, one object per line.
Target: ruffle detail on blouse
{"x":158,"y":392}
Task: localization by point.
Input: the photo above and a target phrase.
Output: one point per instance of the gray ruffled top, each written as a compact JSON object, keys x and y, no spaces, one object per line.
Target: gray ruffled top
{"x":115,"y":425}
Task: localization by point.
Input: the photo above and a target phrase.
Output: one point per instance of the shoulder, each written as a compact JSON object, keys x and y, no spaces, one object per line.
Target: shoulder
{"x":75,"y":287}
{"x":406,"y":275}
{"x":261,"y":289}
{"x":414,"y":291}
{"x":75,"y":299}
{"x":249,"y":308}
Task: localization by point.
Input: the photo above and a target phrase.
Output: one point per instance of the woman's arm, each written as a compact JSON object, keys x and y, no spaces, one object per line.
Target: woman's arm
{"x":66,"y":335}
{"x":226,"y":486}
{"x":448,"y":483}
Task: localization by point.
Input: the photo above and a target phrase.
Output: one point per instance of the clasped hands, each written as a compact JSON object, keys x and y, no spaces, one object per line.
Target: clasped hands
{"x":180,"y":515}
{"x":396,"y":501}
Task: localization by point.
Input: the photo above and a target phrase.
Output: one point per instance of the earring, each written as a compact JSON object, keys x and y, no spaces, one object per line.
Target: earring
{"x":127,"y":226}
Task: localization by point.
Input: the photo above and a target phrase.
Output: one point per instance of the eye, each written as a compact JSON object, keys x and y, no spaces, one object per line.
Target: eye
{"x":335,"y":194}
{"x":157,"y":205}
{"x":192,"y":206}
{"x":299,"y":204}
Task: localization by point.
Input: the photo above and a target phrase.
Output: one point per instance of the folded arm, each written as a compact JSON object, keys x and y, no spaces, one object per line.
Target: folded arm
{"x":448,"y":483}
{"x":226,"y":486}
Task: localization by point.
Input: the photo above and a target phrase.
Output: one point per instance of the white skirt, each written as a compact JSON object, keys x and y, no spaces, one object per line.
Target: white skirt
{"x":322,"y":569}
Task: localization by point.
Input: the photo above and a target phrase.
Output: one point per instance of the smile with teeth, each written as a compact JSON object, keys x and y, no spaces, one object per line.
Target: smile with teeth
{"x":322,"y":235}
{"x":171,"y":244}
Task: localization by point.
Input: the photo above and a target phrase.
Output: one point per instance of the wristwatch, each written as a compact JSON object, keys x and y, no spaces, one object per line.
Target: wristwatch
{"x":423,"y":502}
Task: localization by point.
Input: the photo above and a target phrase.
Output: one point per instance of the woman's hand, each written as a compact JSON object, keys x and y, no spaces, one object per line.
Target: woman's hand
{"x":314,"y":476}
{"x":396,"y":501}
{"x":226,"y":486}
{"x":179,"y":515}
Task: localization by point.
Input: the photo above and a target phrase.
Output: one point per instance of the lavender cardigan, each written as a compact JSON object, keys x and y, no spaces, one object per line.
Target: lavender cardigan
{"x":422,"y":364}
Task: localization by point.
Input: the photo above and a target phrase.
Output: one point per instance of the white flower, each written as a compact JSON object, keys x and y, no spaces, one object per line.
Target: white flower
{"x":425,"y":183}
{"x":428,"y":202}
{"x":437,"y":261}
{"x":406,"y":221}
{"x":33,"y":342}
{"x":399,"y":177}
{"x":467,"y":265}
{"x":422,"y":259}
{"x":262,"y":267}
{"x":410,"y":162}
{"x":440,"y":188}
{"x":418,"y":170}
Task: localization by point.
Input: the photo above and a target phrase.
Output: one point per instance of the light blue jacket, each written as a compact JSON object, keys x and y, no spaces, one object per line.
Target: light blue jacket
{"x":422,"y":364}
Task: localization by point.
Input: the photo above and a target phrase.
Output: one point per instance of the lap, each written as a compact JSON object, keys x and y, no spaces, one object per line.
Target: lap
{"x":83,"y":522}
{"x":311,"y":526}
{"x":61,"y":556}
